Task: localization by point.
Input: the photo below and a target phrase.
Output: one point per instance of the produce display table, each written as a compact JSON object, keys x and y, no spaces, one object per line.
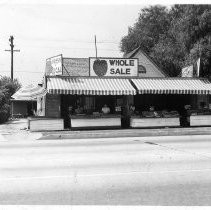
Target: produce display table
{"x":91,"y":121}
{"x":138,"y":122}
{"x":45,"y":124}
{"x":200,"y":120}
{"x":200,"y":117}
{"x":155,"y":119}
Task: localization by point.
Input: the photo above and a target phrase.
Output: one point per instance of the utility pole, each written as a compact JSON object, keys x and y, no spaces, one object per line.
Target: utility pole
{"x":12,"y":50}
{"x":96,"y":46}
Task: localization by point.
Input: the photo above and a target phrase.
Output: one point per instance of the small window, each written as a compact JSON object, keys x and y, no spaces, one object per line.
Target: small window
{"x":141,"y":70}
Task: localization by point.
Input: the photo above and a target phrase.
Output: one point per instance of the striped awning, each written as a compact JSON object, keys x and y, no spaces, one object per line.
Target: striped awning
{"x":89,"y":86}
{"x":172,"y":86}
{"x":28,"y":93}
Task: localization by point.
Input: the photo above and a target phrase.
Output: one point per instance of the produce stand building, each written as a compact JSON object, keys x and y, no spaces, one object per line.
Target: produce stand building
{"x":134,"y":89}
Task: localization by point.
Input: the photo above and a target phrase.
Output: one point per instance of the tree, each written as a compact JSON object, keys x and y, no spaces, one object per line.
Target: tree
{"x":168,"y":54}
{"x":180,"y":35}
{"x":152,"y":22}
{"x":7,"y":89}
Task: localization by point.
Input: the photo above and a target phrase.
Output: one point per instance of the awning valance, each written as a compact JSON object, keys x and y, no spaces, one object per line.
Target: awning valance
{"x":29,"y":93}
{"x":172,"y":86}
{"x":89,"y":86}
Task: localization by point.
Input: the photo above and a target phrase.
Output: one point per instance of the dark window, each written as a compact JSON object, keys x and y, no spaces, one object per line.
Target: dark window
{"x":141,"y":70}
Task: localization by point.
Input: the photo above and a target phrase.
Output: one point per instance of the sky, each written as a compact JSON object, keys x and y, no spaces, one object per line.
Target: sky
{"x":48,"y":28}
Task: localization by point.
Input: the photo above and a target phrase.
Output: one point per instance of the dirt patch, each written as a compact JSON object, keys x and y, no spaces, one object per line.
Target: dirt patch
{"x":16,"y":130}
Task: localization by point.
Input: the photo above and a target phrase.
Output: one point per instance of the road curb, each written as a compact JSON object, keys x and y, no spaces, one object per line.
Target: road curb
{"x":2,"y":138}
{"x":124,"y":133}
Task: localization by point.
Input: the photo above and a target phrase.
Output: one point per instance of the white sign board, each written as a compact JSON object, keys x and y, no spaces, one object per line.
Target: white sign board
{"x":55,"y":65}
{"x":113,"y":67}
{"x":198,"y":67}
{"x":76,"y":66}
{"x":187,"y":71}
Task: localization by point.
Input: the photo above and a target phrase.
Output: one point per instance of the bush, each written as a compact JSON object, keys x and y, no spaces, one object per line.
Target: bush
{"x":7,"y":88}
{"x":4,"y":113}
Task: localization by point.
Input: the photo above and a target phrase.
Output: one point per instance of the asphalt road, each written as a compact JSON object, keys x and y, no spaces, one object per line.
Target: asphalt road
{"x":120,"y":171}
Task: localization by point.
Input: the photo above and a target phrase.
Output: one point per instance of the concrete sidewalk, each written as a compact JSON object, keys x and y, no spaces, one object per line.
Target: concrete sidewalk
{"x":16,"y":130}
{"x":125,"y":133}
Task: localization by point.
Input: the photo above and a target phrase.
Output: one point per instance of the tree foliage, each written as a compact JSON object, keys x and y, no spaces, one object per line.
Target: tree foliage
{"x":7,"y":89}
{"x":144,"y":32}
{"x":173,"y":37}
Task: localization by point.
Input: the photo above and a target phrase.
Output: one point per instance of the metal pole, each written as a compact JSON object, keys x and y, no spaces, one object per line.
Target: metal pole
{"x":96,"y":46}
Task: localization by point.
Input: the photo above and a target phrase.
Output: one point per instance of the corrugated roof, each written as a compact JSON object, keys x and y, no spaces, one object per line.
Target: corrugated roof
{"x":29,"y":92}
{"x":131,"y":54}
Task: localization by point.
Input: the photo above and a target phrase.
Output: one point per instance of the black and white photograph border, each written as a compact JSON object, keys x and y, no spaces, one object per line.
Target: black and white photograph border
{"x":59,"y":149}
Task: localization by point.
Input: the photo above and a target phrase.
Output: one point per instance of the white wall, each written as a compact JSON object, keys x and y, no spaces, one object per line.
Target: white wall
{"x":151,"y":69}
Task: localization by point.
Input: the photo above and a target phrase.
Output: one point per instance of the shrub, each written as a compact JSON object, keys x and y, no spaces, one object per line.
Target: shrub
{"x":4,"y":113}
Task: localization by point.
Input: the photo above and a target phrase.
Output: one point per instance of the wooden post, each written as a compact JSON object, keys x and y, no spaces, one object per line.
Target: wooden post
{"x":12,"y":51}
{"x":125,"y":112}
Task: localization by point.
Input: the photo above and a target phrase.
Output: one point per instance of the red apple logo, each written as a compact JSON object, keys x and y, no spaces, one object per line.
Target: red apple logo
{"x":100,"y":67}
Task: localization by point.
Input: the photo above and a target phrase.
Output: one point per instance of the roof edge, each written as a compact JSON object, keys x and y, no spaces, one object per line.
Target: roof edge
{"x":136,"y":50}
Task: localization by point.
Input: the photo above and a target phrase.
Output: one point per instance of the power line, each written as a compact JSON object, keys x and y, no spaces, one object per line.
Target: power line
{"x":71,"y":48}
{"x":70,"y":40}
{"x":27,"y":71}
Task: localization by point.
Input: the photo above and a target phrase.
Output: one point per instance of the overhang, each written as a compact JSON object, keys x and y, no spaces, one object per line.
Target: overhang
{"x":172,"y":86}
{"x":89,"y":86}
